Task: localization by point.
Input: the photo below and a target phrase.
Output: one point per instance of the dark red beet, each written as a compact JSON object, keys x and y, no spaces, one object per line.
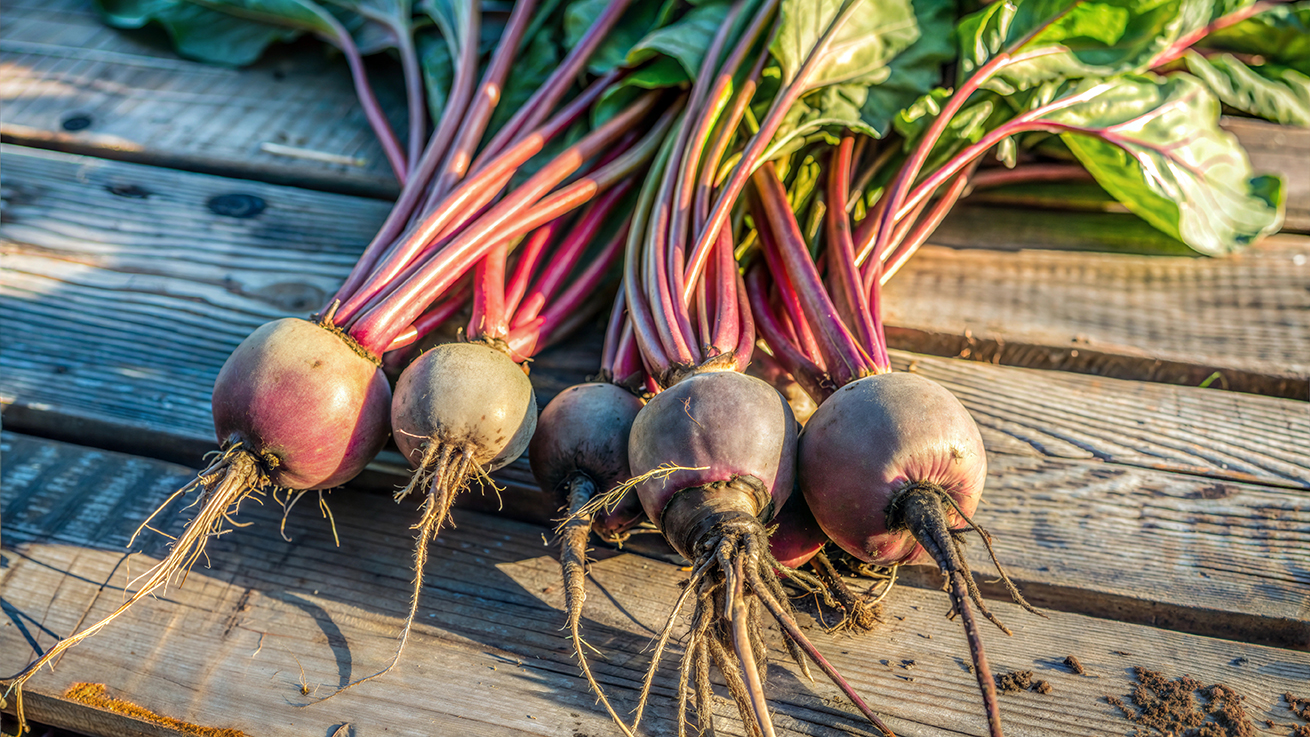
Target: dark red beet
{"x":585,"y":430}
{"x":798,"y":537}
{"x":874,"y":438}
{"x":893,"y":467}
{"x":727,"y":427}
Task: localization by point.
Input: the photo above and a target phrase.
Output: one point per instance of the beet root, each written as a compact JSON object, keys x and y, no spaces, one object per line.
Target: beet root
{"x":892,"y":467}
{"x":460,"y":411}
{"x":295,"y":408}
{"x":579,"y":451}
{"x":714,"y":455}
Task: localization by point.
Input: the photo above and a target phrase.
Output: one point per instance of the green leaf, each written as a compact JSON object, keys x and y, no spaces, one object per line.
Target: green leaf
{"x":1269,"y":91}
{"x":856,"y":63}
{"x":304,"y":15}
{"x":859,"y":52}
{"x":659,"y":74}
{"x":1280,"y":35}
{"x":685,"y":40}
{"x":198,"y":33}
{"x":637,"y":22}
{"x":1157,"y":147}
{"x":1073,"y":39}
{"x":915,"y":71}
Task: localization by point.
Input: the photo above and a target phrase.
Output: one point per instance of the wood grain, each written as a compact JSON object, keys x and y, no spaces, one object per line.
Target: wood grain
{"x":152,"y":333}
{"x":487,"y":657}
{"x":1176,"y":319}
{"x":138,"y":101}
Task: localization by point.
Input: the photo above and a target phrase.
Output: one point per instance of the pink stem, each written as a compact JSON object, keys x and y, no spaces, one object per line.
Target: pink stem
{"x":805,"y":371}
{"x":727,"y":323}
{"x":530,"y":253}
{"x":841,"y":252}
{"x":506,"y":220}
{"x":489,"y":318}
{"x":843,"y":357}
{"x":530,"y":115}
{"x":1179,"y":47}
{"x":484,"y":103}
{"x":569,"y":253}
{"x":472,"y":194}
{"x":429,"y":321}
{"x":782,"y":103}
{"x":377,"y":120}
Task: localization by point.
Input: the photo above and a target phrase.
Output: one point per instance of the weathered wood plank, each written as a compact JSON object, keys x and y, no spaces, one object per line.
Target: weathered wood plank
{"x":152,"y":332}
{"x":1175,"y":319}
{"x":487,"y":657}
{"x":70,"y":82}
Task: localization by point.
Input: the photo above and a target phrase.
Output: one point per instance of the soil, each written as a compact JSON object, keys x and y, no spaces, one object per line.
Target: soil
{"x":1170,"y":708}
{"x":1298,"y":705}
{"x":1021,"y":680}
{"x":97,"y":695}
{"x":1075,"y":666}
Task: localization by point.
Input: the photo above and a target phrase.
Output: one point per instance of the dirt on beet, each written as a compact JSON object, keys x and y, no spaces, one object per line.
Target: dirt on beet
{"x":1074,"y":665}
{"x":1170,"y":708}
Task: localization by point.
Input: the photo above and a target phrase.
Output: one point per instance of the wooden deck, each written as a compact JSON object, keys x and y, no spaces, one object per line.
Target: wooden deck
{"x":1160,"y":524}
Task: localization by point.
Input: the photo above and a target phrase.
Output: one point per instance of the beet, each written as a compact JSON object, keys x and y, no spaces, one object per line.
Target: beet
{"x":308,"y":406}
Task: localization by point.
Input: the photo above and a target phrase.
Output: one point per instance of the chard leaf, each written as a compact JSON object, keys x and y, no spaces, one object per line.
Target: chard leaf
{"x":304,"y":15}
{"x":1281,"y":35}
{"x":1072,"y":39}
{"x":198,"y":32}
{"x":861,"y":49}
{"x":915,"y":71}
{"x":641,"y":17}
{"x":685,"y":40}
{"x":1269,"y":91}
{"x":1156,"y":146}
{"x":861,"y":58}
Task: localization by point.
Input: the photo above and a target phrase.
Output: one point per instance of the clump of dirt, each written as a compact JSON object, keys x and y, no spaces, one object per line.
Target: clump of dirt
{"x":1020,"y":680}
{"x":1170,"y":708}
{"x":1301,"y":708}
{"x":1075,"y":666}
{"x":1298,"y":705}
{"x":97,"y":695}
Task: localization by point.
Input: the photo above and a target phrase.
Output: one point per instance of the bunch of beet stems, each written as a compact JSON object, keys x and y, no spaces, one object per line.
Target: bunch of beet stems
{"x":712,"y":453}
{"x":303,"y":405}
{"x":891,"y":464}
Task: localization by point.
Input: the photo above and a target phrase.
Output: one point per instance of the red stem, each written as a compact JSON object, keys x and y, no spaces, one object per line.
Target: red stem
{"x":418,"y":115}
{"x":548,"y":95}
{"x":569,"y":253}
{"x":429,"y":321}
{"x":466,"y":200}
{"x":541,"y":330}
{"x":727,"y":323}
{"x":506,"y":220}
{"x":377,"y":120}
{"x":410,"y":195}
{"x":484,"y":103}
{"x":614,"y":330}
{"x":489,"y":319}
{"x":785,"y":351}
{"x":1002,"y":176}
{"x":782,"y":102}
{"x":530,"y":253}
{"x":746,"y":331}
{"x":902,"y":252}
{"x":843,"y":357}
{"x":793,"y":313}
{"x":841,"y":253}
